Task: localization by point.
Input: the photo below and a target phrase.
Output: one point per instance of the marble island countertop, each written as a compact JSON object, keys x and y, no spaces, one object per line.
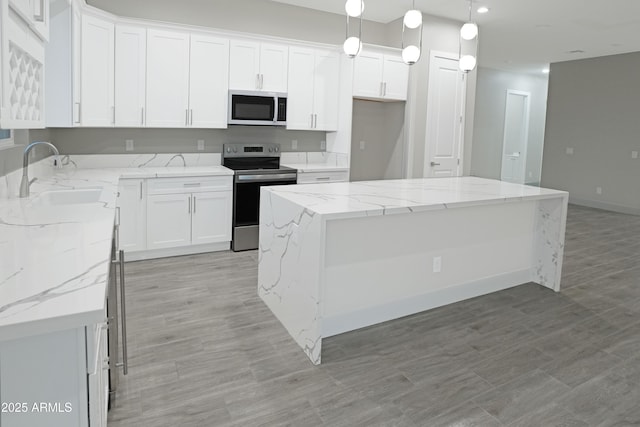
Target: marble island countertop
{"x":369,"y":198}
{"x":55,"y":259}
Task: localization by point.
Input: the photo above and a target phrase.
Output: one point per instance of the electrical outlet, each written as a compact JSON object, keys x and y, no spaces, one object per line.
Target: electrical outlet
{"x":634,"y":154}
{"x":598,"y":190}
{"x":201,"y":145}
{"x":363,"y":145}
{"x":294,"y":144}
{"x":437,"y":264}
{"x":569,"y":151}
{"x":323,"y":145}
{"x":128,"y":145}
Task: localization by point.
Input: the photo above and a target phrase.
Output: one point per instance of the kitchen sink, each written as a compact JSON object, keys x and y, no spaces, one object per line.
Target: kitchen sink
{"x":69,"y":197}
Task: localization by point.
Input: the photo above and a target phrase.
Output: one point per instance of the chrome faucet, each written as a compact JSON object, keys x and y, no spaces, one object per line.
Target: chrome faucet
{"x":25,"y":183}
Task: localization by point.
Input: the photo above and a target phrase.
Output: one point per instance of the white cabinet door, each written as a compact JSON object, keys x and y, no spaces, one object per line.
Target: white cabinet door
{"x":133,"y":215}
{"x":326,"y":90}
{"x":208,"y":89}
{"x":211,"y":221}
{"x":168,"y":221}
{"x":244,"y":65}
{"x":97,"y":72}
{"x":396,"y":78}
{"x":40,"y":13}
{"x":300,"y":96}
{"x":130,"y":75}
{"x":167,"y":79}
{"x":367,"y":75}
{"x":274,"y":67}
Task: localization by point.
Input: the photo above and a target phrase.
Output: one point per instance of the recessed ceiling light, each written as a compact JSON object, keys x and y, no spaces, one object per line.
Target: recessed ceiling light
{"x":483,"y":9}
{"x":545,"y":70}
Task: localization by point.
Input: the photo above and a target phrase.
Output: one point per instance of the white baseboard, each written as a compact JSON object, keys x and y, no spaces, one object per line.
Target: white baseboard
{"x":341,"y":323}
{"x":605,"y":206}
{"x":170,"y":252}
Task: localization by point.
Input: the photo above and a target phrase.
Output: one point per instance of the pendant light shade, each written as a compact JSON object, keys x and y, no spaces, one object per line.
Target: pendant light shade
{"x":352,"y":46}
{"x":353,"y":42}
{"x":354,"y":8}
{"x":469,"y":31}
{"x":412,"y":21}
{"x":467,"y":63}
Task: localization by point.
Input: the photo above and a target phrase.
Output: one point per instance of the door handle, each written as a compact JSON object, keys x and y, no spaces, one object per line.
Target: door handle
{"x":434,"y":164}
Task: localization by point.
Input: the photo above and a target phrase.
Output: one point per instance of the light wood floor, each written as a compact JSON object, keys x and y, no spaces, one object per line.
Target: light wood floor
{"x":205,"y":351}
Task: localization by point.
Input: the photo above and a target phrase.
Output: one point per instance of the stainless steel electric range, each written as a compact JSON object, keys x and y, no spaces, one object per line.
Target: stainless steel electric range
{"x":254,"y":165}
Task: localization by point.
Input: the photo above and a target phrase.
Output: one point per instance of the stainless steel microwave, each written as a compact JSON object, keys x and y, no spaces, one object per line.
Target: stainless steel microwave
{"x":257,"y":108}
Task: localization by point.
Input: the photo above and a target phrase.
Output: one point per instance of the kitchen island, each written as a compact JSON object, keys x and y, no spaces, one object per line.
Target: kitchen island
{"x":338,"y":257}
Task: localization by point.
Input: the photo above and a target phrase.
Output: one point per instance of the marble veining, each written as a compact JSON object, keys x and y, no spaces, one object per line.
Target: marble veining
{"x":55,"y":259}
{"x":316,"y":161}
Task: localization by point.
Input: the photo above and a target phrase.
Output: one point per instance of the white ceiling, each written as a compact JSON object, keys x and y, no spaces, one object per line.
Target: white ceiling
{"x":524,"y":35}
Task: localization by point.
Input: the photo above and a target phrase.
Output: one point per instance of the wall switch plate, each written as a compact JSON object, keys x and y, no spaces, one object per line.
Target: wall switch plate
{"x":363,"y":145}
{"x":128,"y":145}
{"x":323,"y":145}
{"x":201,"y":145}
{"x":634,"y":154}
{"x":569,"y":150}
{"x":437,"y":264}
{"x":598,"y":190}
{"x":294,"y":144}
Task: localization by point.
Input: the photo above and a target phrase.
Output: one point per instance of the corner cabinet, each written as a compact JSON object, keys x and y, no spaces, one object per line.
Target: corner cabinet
{"x":380,"y":76}
{"x":314,"y":84}
{"x":23,"y":29}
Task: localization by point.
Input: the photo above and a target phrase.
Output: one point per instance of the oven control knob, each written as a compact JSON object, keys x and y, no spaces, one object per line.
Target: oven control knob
{"x":235,"y":150}
{"x":228,"y":149}
{"x":277,"y":149}
{"x":271,"y":149}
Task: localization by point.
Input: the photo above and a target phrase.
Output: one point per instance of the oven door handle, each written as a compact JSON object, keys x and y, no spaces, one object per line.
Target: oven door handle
{"x":270,"y":177}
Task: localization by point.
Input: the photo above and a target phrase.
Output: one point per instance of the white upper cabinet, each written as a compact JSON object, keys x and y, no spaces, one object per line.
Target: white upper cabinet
{"x":167,"y":79}
{"x":258,"y":66}
{"x":380,"y":76}
{"x":22,"y":67}
{"x":97,"y":75}
{"x":130,"y":75}
{"x":35,"y":13}
{"x":312,"y":102}
{"x":209,"y":76}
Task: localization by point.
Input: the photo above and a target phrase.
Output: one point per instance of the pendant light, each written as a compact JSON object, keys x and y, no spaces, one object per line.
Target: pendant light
{"x":412,"y":21}
{"x":353,"y":44}
{"x":468,"y":44}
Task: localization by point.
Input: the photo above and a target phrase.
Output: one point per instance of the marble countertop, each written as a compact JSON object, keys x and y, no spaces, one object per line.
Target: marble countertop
{"x":316,"y":167}
{"x":369,"y":198}
{"x":54,"y":260}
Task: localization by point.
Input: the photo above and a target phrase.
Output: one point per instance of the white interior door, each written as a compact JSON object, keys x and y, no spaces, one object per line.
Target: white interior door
{"x":445,"y":116}
{"x":516,"y":136}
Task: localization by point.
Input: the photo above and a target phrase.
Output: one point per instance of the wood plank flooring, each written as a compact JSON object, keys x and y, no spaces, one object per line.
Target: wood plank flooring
{"x":205,"y":351}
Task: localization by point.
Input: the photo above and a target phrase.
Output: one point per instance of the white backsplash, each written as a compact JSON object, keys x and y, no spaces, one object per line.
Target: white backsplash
{"x":332,"y":159}
{"x":99,"y":161}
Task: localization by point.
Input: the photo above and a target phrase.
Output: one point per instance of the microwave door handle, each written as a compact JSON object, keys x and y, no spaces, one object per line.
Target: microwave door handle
{"x":275,"y":109}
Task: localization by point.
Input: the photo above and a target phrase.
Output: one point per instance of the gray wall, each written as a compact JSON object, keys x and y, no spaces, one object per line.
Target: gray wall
{"x":593,"y":108}
{"x":11,"y":157}
{"x":250,"y":16}
{"x":488,"y":132}
{"x":112,"y":141}
{"x":381,"y":126}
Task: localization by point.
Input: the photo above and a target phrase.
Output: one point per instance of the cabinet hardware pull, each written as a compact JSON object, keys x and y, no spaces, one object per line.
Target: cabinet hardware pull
{"x":194,"y":204}
{"x":78,"y":120}
{"x":261,"y":81}
{"x":435,"y":164}
{"x":385,"y":89}
{"x":140,"y":190}
{"x":381,"y":89}
{"x":113,"y":115}
{"x":189,"y":205}
{"x":315,"y":126}
{"x":142,"y":116}
{"x":311,"y":121}
{"x":323,"y":178}
{"x":123,"y":313}
{"x":186,"y":123}
{"x":191,"y":121}
{"x":257,"y":81}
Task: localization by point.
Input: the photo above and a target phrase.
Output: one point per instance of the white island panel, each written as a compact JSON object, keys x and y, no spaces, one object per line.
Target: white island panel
{"x":338,"y":257}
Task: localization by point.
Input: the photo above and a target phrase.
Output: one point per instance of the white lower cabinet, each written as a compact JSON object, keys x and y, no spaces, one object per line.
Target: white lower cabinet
{"x":322,"y":177}
{"x":59,"y":379}
{"x":132,"y":206}
{"x":188,"y":211}
{"x":168,"y":220}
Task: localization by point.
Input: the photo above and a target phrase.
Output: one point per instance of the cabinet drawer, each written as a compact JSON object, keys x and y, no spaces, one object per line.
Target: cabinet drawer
{"x":189,"y":185}
{"x":319,"y":177}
